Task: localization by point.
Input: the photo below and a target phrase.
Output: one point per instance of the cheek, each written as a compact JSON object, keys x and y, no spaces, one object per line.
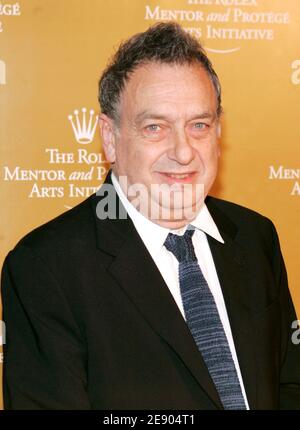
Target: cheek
{"x":210,"y":148}
{"x":126,"y":152}
{"x":214,"y":153}
{"x":209,"y":151}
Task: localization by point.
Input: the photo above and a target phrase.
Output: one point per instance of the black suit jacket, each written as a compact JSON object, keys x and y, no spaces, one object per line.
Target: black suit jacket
{"x":90,"y":323}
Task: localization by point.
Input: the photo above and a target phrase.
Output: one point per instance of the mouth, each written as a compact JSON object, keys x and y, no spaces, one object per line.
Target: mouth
{"x":173,"y":177}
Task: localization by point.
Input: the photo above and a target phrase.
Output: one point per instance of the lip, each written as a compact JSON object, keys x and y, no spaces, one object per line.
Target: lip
{"x":178,"y":177}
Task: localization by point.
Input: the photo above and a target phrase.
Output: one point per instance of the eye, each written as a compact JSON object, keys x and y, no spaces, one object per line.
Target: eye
{"x":154,"y":131}
{"x":200,"y":125}
{"x":153,"y":128}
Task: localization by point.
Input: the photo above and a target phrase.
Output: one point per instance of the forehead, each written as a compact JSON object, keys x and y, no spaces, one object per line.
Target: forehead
{"x":168,"y":87}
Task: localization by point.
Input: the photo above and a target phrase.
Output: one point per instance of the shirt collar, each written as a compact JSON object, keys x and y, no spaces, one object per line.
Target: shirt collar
{"x":155,"y":235}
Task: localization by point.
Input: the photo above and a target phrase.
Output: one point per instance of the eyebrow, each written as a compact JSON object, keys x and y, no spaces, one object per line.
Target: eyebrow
{"x":155,"y":115}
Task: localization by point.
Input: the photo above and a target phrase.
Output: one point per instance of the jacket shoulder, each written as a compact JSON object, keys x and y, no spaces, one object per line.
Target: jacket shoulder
{"x":72,"y":225}
{"x":240,"y":220}
{"x":235,"y":211}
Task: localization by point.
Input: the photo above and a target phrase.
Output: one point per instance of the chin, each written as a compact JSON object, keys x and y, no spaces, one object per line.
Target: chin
{"x":185,"y":217}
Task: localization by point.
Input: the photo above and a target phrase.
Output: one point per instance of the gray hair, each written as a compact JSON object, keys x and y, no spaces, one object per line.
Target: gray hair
{"x":162,"y":43}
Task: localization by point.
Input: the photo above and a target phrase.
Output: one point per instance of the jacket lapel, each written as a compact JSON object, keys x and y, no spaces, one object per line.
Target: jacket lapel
{"x":137,"y":274}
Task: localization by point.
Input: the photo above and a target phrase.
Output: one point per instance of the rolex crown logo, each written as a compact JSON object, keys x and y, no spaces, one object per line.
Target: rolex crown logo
{"x":83,"y":127}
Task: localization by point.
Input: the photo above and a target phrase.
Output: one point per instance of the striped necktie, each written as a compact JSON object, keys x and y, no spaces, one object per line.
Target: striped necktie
{"x":204,"y":322}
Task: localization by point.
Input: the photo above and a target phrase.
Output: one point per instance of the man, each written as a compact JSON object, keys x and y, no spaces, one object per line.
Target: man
{"x":147,"y":296}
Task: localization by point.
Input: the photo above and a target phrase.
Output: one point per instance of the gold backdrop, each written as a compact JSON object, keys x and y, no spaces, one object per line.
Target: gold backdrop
{"x":51,"y":56}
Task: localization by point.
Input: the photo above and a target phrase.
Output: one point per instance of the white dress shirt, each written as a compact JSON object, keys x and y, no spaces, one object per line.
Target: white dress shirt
{"x":154,"y":236}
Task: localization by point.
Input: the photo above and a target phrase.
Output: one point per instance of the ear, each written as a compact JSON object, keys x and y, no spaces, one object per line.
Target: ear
{"x":108,"y":137}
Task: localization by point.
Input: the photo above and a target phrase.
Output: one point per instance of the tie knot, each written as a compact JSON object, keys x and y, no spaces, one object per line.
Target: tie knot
{"x":181,"y":246}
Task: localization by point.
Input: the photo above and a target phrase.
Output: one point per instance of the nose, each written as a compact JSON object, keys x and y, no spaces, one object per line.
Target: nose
{"x":181,"y":150}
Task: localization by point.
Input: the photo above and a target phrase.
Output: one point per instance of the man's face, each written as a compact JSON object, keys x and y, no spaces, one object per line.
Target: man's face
{"x":167,"y":134}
